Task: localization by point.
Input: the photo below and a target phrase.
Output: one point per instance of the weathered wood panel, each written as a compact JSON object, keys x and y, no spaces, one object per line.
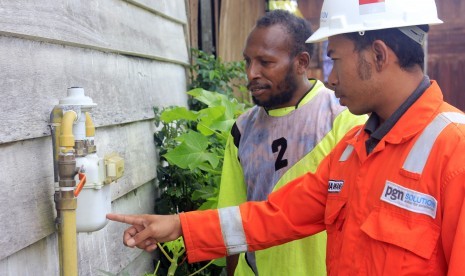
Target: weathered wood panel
{"x":99,"y":251}
{"x":237,"y":18}
{"x":142,"y":265}
{"x":449,"y":71}
{"x":39,"y":259}
{"x":193,"y":23}
{"x":137,"y":147}
{"x":129,"y":56}
{"x":26,"y":202}
{"x":27,"y":180}
{"x":175,"y":9}
{"x":110,"y":26}
{"x":446,"y":51}
{"x":124,"y":88}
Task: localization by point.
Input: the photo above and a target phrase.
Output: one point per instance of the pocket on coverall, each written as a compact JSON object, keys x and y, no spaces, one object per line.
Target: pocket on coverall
{"x":407,"y":242}
{"x":335,"y":215}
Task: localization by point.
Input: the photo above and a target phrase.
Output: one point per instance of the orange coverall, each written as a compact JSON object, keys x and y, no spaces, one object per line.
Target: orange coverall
{"x":398,"y":211}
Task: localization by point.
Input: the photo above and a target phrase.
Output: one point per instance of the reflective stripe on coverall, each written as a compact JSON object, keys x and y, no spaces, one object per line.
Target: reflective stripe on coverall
{"x":399,"y":210}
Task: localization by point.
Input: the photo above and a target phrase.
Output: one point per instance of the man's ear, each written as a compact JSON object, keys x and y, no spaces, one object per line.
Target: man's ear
{"x":303,"y":62}
{"x":381,"y":55}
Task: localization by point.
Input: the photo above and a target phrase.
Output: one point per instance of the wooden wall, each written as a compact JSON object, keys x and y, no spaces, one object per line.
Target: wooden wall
{"x":446,"y":51}
{"x":129,"y":56}
{"x":237,"y":18}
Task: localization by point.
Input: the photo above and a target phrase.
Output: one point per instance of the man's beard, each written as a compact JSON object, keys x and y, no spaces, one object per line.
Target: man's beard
{"x":288,"y":87}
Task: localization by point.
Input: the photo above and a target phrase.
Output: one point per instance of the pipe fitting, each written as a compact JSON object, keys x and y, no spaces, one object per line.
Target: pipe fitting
{"x":66,"y":170}
{"x":90,"y":146}
{"x":80,"y":148}
{"x":66,"y":201}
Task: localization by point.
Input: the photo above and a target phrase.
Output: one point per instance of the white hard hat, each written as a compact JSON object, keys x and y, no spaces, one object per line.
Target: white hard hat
{"x":347,"y":16}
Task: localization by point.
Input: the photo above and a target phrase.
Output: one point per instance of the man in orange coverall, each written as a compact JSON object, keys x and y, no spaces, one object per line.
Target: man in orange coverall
{"x":390,"y":194}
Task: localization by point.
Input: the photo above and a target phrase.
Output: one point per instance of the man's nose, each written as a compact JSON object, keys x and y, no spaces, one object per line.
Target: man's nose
{"x":253,"y":71}
{"x":332,"y":79}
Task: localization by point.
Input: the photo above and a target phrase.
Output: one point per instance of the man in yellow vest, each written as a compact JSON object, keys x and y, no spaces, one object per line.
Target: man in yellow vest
{"x":295,"y":123}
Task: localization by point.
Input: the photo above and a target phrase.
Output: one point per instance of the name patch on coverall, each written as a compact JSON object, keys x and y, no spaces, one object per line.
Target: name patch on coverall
{"x":335,"y":186}
{"x":409,"y":199}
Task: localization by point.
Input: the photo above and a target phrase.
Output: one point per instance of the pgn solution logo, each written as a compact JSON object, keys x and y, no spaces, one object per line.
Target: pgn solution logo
{"x":409,"y":199}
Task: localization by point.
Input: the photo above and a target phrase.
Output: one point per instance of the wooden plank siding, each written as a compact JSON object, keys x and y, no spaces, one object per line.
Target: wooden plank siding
{"x":100,"y":251}
{"x":175,"y":10}
{"x":193,"y":23}
{"x":446,"y":51}
{"x":117,"y":83}
{"x":97,"y":24}
{"x":129,"y":56}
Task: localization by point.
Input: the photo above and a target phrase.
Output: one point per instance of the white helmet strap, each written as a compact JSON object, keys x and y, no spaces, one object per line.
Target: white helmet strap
{"x":415,"y":33}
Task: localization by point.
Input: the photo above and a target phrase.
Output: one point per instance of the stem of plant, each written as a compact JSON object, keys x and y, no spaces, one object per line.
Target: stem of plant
{"x":205,"y":266}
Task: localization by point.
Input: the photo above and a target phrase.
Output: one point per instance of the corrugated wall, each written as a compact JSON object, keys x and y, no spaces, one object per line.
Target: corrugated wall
{"x":129,"y":56}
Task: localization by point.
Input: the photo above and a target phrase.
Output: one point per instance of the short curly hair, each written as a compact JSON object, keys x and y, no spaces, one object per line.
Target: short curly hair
{"x":299,"y":29}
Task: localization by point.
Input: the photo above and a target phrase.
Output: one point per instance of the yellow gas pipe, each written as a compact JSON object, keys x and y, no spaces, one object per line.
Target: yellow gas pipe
{"x":66,"y":135}
{"x":65,"y":201}
{"x":90,"y":128}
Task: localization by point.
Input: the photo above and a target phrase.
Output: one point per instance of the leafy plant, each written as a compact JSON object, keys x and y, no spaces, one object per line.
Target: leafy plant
{"x":210,"y":73}
{"x":191,"y":148}
{"x":191,"y":143}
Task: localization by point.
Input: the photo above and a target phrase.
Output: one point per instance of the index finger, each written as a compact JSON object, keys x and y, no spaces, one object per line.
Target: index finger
{"x":129,"y":219}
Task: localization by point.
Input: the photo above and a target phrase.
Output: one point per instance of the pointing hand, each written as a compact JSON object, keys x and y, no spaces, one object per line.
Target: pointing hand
{"x":146,"y":230}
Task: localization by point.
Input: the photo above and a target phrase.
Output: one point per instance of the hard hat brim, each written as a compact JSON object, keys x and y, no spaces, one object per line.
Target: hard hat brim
{"x":323,"y":33}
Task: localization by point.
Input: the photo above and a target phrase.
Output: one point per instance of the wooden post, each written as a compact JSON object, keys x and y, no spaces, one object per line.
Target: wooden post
{"x":193,"y":23}
{"x":206,"y":28}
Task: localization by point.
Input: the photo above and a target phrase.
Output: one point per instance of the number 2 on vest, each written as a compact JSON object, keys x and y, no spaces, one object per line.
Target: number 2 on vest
{"x":281,"y":146}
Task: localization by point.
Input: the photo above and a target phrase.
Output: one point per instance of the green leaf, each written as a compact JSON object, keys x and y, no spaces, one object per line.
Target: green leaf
{"x":204,"y":193}
{"x":178,"y":113}
{"x":211,"y":99}
{"x":220,"y":262}
{"x":210,"y":117}
{"x":210,"y":203}
{"x":175,"y":246}
{"x":211,"y":75}
{"x":191,"y":153}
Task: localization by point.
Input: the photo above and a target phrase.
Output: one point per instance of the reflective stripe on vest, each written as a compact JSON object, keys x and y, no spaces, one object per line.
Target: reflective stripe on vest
{"x":419,"y":153}
{"x":232,"y":229}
